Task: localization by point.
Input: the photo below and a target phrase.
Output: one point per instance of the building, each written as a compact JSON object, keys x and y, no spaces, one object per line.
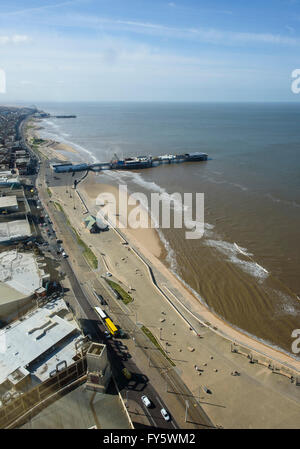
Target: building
{"x":22,"y":165}
{"x":14,"y":231}
{"x":32,"y":347}
{"x":98,"y":368}
{"x":95,"y":225}
{"x":8,"y":203}
{"x":21,"y":279}
{"x":9,"y":181}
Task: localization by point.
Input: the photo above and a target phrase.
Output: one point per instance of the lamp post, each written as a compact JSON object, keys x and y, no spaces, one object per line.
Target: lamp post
{"x":186,"y":409}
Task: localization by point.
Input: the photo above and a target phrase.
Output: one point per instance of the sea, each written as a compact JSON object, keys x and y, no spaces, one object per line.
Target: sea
{"x":246,"y":266}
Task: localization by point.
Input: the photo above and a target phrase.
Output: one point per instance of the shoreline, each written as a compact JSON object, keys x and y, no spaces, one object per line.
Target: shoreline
{"x":51,"y":148}
{"x":224,"y":328}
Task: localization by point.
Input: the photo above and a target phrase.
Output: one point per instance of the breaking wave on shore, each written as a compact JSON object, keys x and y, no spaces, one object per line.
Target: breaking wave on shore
{"x":59,"y":136}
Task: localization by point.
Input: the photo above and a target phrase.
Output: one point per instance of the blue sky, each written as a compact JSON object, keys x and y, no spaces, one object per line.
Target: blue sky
{"x":149,"y":50}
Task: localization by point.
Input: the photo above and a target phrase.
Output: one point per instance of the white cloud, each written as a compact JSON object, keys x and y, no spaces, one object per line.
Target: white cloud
{"x":15,"y":39}
{"x":207,"y":35}
{"x":37,"y":9}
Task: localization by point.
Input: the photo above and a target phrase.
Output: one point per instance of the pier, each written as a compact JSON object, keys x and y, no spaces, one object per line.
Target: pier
{"x":133,"y":163}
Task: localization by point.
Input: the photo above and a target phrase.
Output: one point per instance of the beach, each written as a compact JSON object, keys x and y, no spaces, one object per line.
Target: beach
{"x":51,"y":148}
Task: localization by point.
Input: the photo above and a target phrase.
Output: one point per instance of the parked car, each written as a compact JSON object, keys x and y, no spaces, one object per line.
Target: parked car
{"x":59,"y":242}
{"x":64,"y":254}
{"x":146,"y":401}
{"x":165,"y":414}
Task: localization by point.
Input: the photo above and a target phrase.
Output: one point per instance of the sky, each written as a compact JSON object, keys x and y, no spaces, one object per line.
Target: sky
{"x":149,"y":50}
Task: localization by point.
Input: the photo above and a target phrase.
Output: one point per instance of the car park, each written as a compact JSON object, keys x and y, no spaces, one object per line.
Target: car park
{"x":146,"y":401}
{"x":165,"y":414}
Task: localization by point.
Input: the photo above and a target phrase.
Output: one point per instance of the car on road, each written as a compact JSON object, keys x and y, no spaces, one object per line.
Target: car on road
{"x":59,"y":242}
{"x":64,"y":254}
{"x":107,"y":335}
{"x":146,"y":401}
{"x":108,"y":274}
{"x":165,"y":414}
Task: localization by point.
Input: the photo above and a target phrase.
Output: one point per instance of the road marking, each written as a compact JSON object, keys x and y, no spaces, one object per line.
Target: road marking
{"x":173,"y":425}
{"x":160,"y":401}
{"x":149,"y":416}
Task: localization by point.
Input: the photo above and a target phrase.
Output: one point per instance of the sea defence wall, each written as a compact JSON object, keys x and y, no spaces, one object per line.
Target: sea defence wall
{"x":275,"y":367}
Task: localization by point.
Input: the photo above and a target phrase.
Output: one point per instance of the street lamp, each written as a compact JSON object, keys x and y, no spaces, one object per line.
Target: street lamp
{"x":160,"y":329}
{"x":186,"y":409}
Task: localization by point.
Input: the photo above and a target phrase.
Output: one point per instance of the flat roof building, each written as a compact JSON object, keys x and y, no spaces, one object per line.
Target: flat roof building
{"x":33,"y":346}
{"x":20,"y":278}
{"x":12,"y":181}
{"x":8,"y":203}
{"x":14,"y":231}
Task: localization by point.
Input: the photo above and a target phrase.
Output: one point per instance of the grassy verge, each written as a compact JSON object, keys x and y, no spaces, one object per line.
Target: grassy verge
{"x":151,"y":337}
{"x":49,"y":192}
{"x":87,"y":252}
{"x":124,"y":295}
{"x":58,"y":206}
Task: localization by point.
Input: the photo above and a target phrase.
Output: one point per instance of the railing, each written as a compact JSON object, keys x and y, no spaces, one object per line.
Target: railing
{"x":21,"y":409}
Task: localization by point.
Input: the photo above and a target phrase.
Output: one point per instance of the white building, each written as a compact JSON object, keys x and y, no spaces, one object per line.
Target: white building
{"x":14,"y":231}
{"x":8,"y":203}
{"x":31,"y":348}
{"x":20,"y":277}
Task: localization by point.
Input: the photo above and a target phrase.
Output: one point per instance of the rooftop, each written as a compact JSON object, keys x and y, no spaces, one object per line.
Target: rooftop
{"x":9,"y":180}
{"x":8,"y":201}
{"x":14,"y":230}
{"x":39,"y":331}
{"x":19,"y":271}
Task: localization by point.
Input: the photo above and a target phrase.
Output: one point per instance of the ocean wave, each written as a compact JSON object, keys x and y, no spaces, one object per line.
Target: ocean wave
{"x":232,"y":251}
{"x":243,"y":331}
{"x":278,"y":200}
{"x":224,"y":181}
